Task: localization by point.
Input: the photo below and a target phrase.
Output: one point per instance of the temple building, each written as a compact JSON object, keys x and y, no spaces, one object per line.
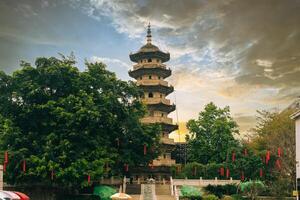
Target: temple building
{"x":150,"y":73}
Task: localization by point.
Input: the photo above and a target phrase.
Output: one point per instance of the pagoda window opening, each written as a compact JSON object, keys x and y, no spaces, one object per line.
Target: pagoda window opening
{"x":162,"y":114}
{"x":159,"y":77}
{"x":141,"y":78}
{"x":150,"y":95}
{"x":160,"y":95}
{"x":149,"y":60}
{"x":150,"y":77}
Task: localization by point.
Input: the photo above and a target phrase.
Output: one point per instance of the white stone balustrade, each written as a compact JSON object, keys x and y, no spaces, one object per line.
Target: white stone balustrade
{"x":203,"y":182}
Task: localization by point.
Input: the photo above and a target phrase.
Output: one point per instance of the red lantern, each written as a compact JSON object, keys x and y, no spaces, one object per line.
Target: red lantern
{"x":279,"y":152}
{"x":233,"y":156}
{"x":6,"y":157}
{"x":4,"y":167}
{"x":126,"y":167}
{"x":227,"y":173}
{"x":268,"y":154}
{"x":145,"y":149}
{"x":89,"y":179}
{"x":221,"y":171}
{"x":261,"y":172}
{"x":242,"y":176}
{"x":24,"y":166}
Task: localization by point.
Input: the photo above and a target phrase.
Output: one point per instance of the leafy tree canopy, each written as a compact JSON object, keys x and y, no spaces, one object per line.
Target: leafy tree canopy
{"x":74,"y":123}
{"x":212,"y":135}
{"x":277,"y":130}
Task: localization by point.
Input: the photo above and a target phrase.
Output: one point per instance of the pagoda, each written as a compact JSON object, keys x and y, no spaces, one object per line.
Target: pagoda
{"x":150,"y":73}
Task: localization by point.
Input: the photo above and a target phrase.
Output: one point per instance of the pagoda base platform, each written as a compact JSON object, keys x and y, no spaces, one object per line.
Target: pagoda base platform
{"x":158,"y":173}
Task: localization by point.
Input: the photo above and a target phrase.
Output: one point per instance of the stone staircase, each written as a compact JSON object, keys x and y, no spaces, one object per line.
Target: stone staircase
{"x":149,"y":192}
{"x":133,"y":189}
{"x":162,"y":190}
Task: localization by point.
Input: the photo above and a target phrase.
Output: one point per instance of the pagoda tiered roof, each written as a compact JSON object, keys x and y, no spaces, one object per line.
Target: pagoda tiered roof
{"x":157,"y":88}
{"x":163,"y":72}
{"x":149,"y":51}
{"x":162,"y":107}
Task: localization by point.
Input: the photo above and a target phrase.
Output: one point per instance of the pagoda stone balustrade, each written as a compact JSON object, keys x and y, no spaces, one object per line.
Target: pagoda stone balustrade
{"x":152,"y":82}
{"x":151,"y":120}
{"x":149,"y":65}
{"x":163,"y":162}
{"x":165,"y":140}
{"x":156,"y":101}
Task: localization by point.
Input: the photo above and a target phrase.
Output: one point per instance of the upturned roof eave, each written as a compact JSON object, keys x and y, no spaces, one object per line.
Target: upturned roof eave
{"x":295,"y":115}
{"x":135,"y":57}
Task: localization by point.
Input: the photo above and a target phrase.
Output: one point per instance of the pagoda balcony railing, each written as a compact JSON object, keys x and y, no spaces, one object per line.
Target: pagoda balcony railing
{"x":166,"y":140}
{"x":148,"y":65}
{"x":156,"y":101}
{"x":164,"y":162}
{"x":152,"y":82}
{"x":151,"y":120}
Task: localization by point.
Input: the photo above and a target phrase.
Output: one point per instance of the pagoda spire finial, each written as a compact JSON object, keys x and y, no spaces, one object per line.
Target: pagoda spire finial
{"x":149,"y":36}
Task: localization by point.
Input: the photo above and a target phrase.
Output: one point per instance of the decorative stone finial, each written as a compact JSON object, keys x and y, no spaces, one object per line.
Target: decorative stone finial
{"x":149,"y":37}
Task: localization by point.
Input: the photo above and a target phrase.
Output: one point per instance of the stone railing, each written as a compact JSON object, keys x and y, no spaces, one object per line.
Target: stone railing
{"x":150,"y":120}
{"x":156,"y":101}
{"x":148,"y":65}
{"x":165,"y":140}
{"x":152,"y":82}
{"x":174,"y":183}
{"x":204,"y":182}
{"x":164,"y":162}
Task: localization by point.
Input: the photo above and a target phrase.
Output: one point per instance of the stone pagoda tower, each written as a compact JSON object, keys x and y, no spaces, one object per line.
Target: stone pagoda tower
{"x":150,"y":72}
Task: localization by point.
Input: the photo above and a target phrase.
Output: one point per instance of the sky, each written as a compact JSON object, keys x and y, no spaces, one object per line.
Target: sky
{"x":244,"y":54}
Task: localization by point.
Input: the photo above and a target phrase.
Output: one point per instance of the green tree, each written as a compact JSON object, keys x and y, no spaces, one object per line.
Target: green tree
{"x":212,"y":135}
{"x":277,"y":130}
{"x":72,"y":123}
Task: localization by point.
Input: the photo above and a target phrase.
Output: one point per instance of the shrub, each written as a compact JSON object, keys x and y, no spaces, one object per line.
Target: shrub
{"x":252,"y":188}
{"x":237,"y":197}
{"x":227,"y":198}
{"x":210,"y":197}
{"x":220,"y":190}
{"x":190,"y":192}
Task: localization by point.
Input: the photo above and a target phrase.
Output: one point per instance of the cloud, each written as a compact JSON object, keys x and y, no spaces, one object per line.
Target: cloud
{"x":245,"y":54}
{"x":108,"y":61}
{"x":256,"y":41}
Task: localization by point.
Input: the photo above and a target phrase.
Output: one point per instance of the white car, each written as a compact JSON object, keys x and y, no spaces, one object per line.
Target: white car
{"x":7,"y":195}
